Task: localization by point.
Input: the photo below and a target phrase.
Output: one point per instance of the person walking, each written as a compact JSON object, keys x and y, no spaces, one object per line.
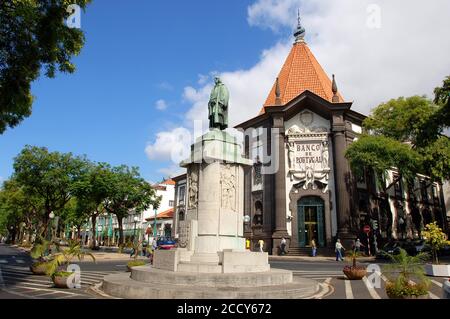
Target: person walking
{"x":338,"y":249}
{"x":283,"y":246}
{"x":358,"y":245}
{"x":261,"y":245}
{"x":313,"y":247}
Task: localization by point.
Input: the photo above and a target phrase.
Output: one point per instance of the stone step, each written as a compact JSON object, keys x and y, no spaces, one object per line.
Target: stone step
{"x":122,"y":286}
{"x":252,"y":279}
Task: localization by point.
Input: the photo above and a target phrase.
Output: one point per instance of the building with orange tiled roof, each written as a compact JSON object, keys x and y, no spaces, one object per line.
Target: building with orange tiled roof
{"x":301,"y":187}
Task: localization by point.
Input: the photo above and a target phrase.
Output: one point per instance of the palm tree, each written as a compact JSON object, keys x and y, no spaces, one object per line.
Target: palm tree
{"x":406,"y":274}
{"x":65,"y":256}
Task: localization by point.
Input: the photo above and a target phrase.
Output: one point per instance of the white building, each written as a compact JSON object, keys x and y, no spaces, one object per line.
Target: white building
{"x":164,"y":213}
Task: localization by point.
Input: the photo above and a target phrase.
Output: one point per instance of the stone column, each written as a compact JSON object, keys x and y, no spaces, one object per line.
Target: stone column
{"x":342,"y":174}
{"x":280,"y":185}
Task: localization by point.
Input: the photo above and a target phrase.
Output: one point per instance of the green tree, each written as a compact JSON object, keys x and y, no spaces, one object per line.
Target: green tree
{"x":19,"y":210}
{"x":49,"y":176}
{"x":442,"y":98}
{"x":436,"y":238}
{"x":33,"y":36}
{"x":128,"y":191}
{"x":92,"y":191}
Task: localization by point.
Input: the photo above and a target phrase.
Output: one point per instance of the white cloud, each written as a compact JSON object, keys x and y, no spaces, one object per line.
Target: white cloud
{"x":171,"y":145}
{"x":161,"y":105}
{"x":407,"y":55}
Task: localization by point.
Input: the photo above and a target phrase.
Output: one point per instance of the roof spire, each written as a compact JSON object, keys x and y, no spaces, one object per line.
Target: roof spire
{"x":299,"y":33}
{"x":335,"y":98}
{"x":277,"y":93}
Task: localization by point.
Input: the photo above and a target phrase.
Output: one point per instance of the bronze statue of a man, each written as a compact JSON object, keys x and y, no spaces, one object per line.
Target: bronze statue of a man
{"x":218,"y":106}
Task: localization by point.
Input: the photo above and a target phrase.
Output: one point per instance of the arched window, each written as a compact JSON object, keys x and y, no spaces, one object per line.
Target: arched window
{"x":181,"y":215}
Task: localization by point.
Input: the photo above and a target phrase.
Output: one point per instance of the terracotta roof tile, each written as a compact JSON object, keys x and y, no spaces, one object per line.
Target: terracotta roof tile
{"x":165,"y":214}
{"x":301,"y":72}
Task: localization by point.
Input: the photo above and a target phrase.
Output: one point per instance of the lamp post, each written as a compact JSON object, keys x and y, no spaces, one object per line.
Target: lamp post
{"x":134,"y":233}
{"x":155,"y":232}
{"x":50,"y":216}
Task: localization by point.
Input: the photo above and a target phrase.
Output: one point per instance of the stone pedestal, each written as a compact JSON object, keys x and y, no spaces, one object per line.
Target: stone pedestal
{"x":212,"y":234}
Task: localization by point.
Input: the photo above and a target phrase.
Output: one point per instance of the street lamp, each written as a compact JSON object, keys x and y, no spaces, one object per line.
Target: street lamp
{"x":50,"y":216}
{"x":135,"y":221}
{"x":155,"y":231}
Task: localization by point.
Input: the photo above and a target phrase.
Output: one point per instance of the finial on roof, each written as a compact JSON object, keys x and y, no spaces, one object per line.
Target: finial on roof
{"x":299,"y":33}
{"x":334,"y":89}
{"x":277,"y":93}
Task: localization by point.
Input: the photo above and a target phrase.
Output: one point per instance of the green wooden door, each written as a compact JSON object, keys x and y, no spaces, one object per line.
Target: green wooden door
{"x":310,"y":217}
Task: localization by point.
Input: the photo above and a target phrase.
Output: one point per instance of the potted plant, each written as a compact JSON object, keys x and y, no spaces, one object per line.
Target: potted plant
{"x":436,"y":239}
{"x":354,"y":272}
{"x":56,"y":267}
{"x":135,"y":253}
{"x":40,"y":253}
{"x":406,"y":276}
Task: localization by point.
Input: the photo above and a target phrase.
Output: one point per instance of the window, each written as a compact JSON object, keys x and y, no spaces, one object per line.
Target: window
{"x":171,"y":203}
{"x":181,"y":195}
{"x":424,"y":191}
{"x":398,"y":187}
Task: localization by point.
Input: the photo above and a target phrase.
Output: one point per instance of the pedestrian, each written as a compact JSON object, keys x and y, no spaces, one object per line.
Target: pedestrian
{"x":261,"y":245}
{"x":338,"y":249}
{"x":358,"y":245}
{"x":283,"y":246}
{"x":313,"y":247}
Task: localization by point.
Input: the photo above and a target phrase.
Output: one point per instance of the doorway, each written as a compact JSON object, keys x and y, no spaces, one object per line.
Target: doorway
{"x":310,"y":213}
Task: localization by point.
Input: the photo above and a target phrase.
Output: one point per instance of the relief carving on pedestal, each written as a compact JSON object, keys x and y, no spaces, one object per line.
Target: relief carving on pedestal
{"x":228,"y":182}
{"x":193,"y":188}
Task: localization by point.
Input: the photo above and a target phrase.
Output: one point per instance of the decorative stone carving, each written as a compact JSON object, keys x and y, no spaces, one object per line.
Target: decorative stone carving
{"x":291,"y":154}
{"x":306,"y":117}
{"x":257,"y":177}
{"x":183,"y":235}
{"x":193,"y":189}
{"x":309,"y":178}
{"x":325,"y":155}
{"x":228,"y":181}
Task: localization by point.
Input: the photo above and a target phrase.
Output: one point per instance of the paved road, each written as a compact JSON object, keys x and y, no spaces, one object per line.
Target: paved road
{"x":329,"y":274}
{"x":16,"y":280}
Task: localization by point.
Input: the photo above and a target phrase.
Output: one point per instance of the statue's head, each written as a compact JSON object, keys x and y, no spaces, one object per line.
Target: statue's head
{"x":217,"y":80}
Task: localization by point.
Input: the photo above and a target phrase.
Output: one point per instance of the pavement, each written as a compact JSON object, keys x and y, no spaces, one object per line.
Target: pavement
{"x":16,"y":280}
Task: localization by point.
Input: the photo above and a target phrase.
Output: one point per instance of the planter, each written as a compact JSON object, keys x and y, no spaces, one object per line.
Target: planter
{"x":60,"y":281}
{"x":406,"y":291}
{"x":132,"y":264}
{"x":354,"y":273}
{"x":437,"y":270}
{"x":38,"y":268}
{"x":446,"y":288}
{"x":409,"y":297}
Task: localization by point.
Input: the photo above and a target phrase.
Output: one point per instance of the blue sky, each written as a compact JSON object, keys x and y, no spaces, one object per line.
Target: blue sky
{"x":145,"y":72}
{"x":136,"y":53}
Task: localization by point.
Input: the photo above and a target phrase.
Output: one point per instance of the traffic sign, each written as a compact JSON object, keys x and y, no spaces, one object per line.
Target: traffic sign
{"x":367,"y":229}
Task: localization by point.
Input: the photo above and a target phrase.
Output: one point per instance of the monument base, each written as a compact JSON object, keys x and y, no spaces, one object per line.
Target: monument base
{"x":146,"y":282}
{"x":228,"y":261}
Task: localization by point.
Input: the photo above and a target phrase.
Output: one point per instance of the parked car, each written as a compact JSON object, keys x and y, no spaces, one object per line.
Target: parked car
{"x":412,"y":247}
{"x":165,"y":243}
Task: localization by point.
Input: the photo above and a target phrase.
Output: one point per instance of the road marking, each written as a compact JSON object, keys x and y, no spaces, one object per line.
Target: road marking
{"x":372,"y":291}
{"x":348,"y":289}
{"x":18,"y":294}
{"x":42,"y":289}
{"x":3,"y":261}
{"x":20,"y":261}
{"x":432,"y":295}
{"x":47,"y":293}
{"x":436,"y":283}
